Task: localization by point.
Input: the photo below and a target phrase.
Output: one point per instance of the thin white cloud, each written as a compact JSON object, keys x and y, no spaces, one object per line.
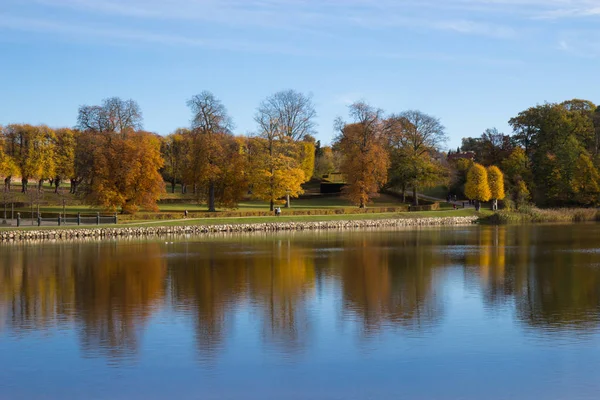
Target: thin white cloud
{"x":295,"y":14}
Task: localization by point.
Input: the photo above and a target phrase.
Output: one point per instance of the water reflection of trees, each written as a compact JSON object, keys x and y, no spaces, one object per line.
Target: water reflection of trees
{"x":107,"y":291}
{"x":396,"y":280}
{"x":389,"y":280}
{"x":549,"y":273}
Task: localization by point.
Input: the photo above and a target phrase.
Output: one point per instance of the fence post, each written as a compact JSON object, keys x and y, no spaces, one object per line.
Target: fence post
{"x":97,"y":218}
{"x":78,"y":218}
{"x":18,"y":219}
{"x":115,"y":218}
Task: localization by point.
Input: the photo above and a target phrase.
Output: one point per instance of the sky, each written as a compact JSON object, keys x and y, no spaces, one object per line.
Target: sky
{"x":472,"y":63}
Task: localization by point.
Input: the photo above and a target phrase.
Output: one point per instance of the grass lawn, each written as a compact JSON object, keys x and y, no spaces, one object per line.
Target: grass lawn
{"x":307,"y":218}
{"x":283,"y":218}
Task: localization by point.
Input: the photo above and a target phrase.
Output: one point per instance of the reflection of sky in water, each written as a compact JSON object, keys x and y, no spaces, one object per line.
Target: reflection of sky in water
{"x":472,"y":313}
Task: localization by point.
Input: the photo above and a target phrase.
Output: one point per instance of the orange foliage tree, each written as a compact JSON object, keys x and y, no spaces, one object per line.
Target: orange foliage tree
{"x":365,"y":159}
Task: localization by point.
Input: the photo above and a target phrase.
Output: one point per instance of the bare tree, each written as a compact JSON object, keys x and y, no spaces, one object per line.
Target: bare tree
{"x":293,"y":112}
{"x":114,"y":115}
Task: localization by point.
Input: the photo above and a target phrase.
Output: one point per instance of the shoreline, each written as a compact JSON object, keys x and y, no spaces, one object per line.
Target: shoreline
{"x":199,"y":230}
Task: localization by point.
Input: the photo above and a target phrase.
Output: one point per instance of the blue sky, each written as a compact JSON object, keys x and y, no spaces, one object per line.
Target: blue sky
{"x":472,"y":63}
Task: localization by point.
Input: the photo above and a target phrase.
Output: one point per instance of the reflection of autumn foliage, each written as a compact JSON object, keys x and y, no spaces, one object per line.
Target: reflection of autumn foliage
{"x":280,"y":282}
{"x":36,"y":287}
{"x":117,"y":290}
{"x":109,"y":290}
{"x":385,"y":286}
{"x":209,"y":284}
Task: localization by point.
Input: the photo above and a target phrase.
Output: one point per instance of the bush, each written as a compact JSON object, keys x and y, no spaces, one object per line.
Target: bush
{"x":530,"y":214}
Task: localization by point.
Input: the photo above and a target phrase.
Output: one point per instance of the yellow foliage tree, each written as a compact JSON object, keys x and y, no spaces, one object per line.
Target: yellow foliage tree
{"x":274,"y":173}
{"x":307,"y":159}
{"x":496,"y":183}
{"x":585,"y":182}
{"x":126,"y":172}
{"x":477,"y":187}
{"x":521,"y":195}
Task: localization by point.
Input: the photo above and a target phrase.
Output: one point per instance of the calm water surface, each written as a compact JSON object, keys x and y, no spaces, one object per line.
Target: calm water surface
{"x":460,"y":313}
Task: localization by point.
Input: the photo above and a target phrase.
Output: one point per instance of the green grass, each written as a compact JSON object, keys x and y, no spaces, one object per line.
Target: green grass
{"x":283,"y":218}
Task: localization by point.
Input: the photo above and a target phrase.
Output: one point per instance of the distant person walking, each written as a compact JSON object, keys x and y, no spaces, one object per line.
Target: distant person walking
{"x":185,"y":214}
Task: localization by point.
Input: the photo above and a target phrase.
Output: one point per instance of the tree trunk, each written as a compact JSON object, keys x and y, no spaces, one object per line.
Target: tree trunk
{"x":211,"y":198}
{"x":56,"y":184}
{"x":7,"y":182}
{"x":24,"y":185}
{"x":40,"y":183}
{"x":404,"y":193}
{"x":272,"y":205}
{"x":415,"y":197}
{"x":173,"y":183}
{"x":287,"y":200}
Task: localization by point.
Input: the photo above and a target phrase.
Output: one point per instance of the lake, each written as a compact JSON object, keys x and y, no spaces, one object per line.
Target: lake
{"x":474,"y":312}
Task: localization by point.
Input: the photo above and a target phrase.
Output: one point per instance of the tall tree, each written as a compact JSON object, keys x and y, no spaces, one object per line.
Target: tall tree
{"x":64,"y":155}
{"x":294,"y":112}
{"x":173,"y":150}
{"x":496,"y":182}
{"x":477,"y":187}
{"x":415,"y":138}
{"x":210,"y":122}
{"x":365,"y":160}
{"x":7,"y":164}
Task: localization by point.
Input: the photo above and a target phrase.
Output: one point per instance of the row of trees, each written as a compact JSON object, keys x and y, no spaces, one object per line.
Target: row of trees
{"x":111,"y":162}
{"x":552,"y":157}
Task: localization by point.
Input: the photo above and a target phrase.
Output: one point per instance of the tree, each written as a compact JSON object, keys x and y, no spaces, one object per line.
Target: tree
{"x":496,"y":182}
{"x":414,"y":138}
{"x":134,"y":181}
{"x":491,"y":148}
{"x":273,"y":172}
{"x":365,"y":161}
{"x":586,"y":181}
{"x":173,"y":151}
{"x":477,"y":187}
{"x":64,"y":156}
{"x":7,"y":165}
{"x":210,"y":123}
{"x":31,"y":149}
{"x":113,"y":116}
{"x":324,"y":161}
{"x":294,"y":112}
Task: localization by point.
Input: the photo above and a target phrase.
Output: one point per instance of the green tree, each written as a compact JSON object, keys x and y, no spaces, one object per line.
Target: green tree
{"x":415,"y":139}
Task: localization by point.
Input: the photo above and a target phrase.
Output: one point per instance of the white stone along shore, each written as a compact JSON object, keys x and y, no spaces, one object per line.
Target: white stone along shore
{"x":155,"y":231}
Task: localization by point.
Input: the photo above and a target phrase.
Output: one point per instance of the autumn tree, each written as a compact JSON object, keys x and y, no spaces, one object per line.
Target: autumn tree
{"x":365,"y":160}
{"x":585,"y":183}
{"x":282,"y":156}
{"x":414,"y":138}
{"x":132,"y":183}
{"x":496,"y":183}
{"x":274,"y":170}
{"x":7,"y":165}
{"x":31,"y":149}
{"x":64,"y":156}
{"x":477,"y":187}
{"x":210,"y":149}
